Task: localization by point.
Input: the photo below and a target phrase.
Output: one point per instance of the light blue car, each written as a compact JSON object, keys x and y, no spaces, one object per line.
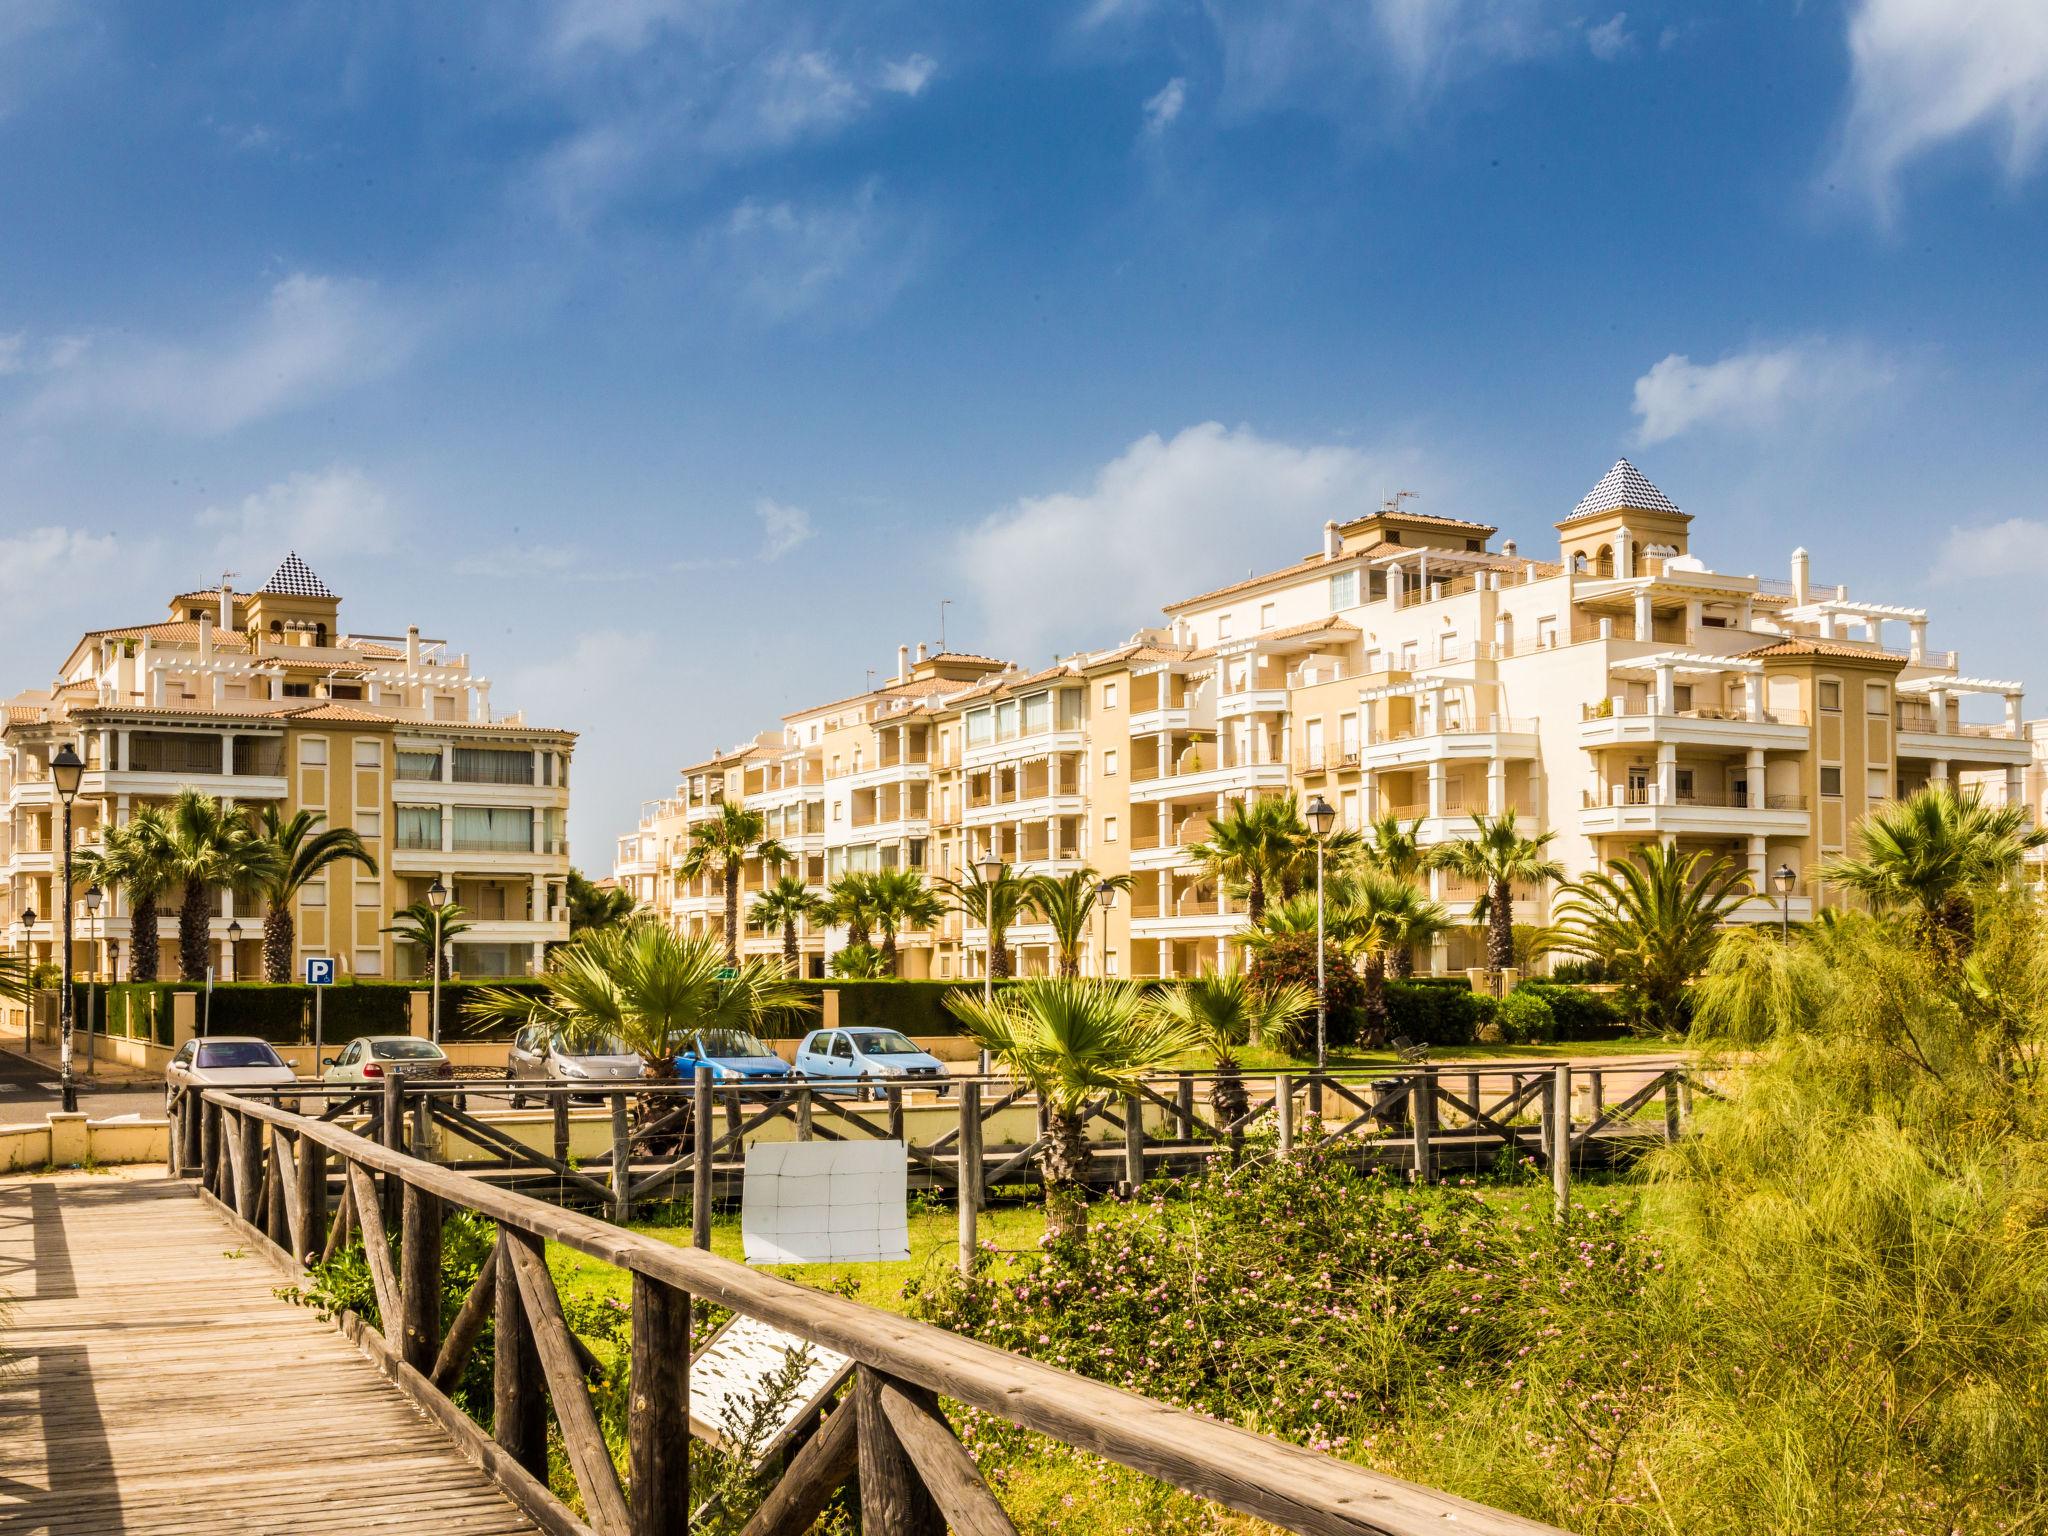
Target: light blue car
{"x":867,"y":1058}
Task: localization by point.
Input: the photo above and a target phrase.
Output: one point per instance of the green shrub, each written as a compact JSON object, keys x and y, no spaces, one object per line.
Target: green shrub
{"x":1580,"y":1014}
{"x":1524,"y":1018}
{"x":1291,"y":958}
{"x":1431,"y":1013}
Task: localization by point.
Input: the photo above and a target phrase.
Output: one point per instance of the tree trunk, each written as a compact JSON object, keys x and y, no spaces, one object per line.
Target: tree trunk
{"x":1375,"y":977}
{"x":195,"y":915}
{"x":142,"y":941}
{"x":999,"y":956}
{"x":1070,"y":962}
{"x":889,"y":949}
{"x":277,"y":943}
{"x":1230,"y":1101}
{"x":1500,"y":927}
{"x":1401,"y":962}
{"x":789,"y":951}
{"x":856,"y":933}
{"x":1255,"y":898}
{"x":732,"y":915}
{"x":1064,"y":1167}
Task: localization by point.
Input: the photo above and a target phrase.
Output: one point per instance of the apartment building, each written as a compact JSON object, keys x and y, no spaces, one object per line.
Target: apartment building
{"x":264,"y":698}
{"x":1612,"y":689}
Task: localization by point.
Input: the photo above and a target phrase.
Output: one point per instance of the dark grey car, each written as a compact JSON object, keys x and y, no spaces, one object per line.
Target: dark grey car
{"x":538,"y":1055}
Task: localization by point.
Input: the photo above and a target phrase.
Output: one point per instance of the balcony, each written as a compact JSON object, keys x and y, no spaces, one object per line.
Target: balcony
{"x":1190,"y":782}
{"x":1965,"y":745}
{"x":1624,"y":808}
{"x":1605,"y":725}
{"x":1501,"y":738}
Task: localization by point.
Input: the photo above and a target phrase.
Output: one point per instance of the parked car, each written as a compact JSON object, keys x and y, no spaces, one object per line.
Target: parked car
{"x":380,"y":1056}
{"x":539,"y":1055}
{"x":867,"y":1056}
{"x":733,"y":1055}
{"x":226,"y":1061}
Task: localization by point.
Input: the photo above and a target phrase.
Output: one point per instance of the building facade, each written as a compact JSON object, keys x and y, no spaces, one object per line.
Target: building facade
{"x":262,"y":698}
{"x":1612,"y":690}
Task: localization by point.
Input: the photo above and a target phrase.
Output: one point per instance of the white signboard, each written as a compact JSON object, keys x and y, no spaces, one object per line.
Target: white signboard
{"x":817,"y":1202}
{"x":728,"y":1378}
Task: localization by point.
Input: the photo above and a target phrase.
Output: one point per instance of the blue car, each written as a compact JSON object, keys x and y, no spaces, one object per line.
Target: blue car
{"x":865,"y":1058}
{"x":733,"y":1055}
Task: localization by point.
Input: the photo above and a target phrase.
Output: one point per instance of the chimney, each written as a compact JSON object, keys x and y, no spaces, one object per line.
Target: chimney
{"x":412,"y":647}
{"x":920,"y":653}
{"x":1799,"y":576}
{"x":227,"y":606}
{"x":1332,"y":545}
{"x":205,"y":639}
{"x":902,"y":663}
{"x":1508,"y":548}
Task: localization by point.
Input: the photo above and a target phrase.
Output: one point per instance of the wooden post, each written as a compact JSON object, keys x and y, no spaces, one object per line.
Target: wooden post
{"x":1184,"y":1106}
{"x":519,"y":1411}
{"x":1684,"y":1097}
{"x":1421,"y":1117}
{"x":895,"y":1097}
{"x":1599,"y":1093}
{"x":970,"y":1170}
{"x":250,"y":1164}
{"x":1561,"y":1139}
{"x":658,"y":1416}
{"x":622,"y":1162}
{"x":1671,"y":1106}
{"x":209,"y":1138}
{"x":192,"y":1123}
{"x":311,"y":1169}
{"x":1134,"y":1145}
{"x":560,"y":1105}
{"x":392,"y":1124}
{"x":804,"y":1129}
{"x":276,"y":1224}
{"x":1283,"y":1112}
{"x":893,"y":1498}
{"x":174,"y":1133}
{"x":700,"y":1171}
{"x":419,"y":1279}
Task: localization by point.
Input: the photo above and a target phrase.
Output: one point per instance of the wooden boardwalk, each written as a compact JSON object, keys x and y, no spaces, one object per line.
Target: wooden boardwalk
{"x":151,"y":1380}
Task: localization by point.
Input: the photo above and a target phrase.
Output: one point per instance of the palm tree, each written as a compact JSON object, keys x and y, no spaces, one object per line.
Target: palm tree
{"x":644,"y":987}
{"x":861,"y":962}
{"x":1067,"y":902}
{"x":1223,"y":1015}
{"x":135,"y":858}
{"x":1497,"y":857}
{"x":1930,"y":855}
{"x":1248,"y":848}
{"x":1396,"y":850}
{"x":852,"y":901}
{"x":300,"y":853}
{"x":213,"y":847}
{"x":900,"y":899}
{"x":720,"y":847}
{"x":1069,"y":1040}
{"x":996,"y":905}
{"x":596,"y":906}
{"x":1653,"y":918}
{"x":1368,"y":917}
{"x":785,"y":905}
{"x":414,"y":923}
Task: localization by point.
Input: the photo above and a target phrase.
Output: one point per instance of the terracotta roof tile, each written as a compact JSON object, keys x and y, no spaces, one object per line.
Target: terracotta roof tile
{"x":1841,"y":650}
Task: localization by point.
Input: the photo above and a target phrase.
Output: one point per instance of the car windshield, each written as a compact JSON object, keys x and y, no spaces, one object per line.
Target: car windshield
{"x":729,"y":1044}
{"x":406,"y":1050}
{"x":238,"y":1053}
{"x":608,"y":1046}
{"x":886,"y":1042}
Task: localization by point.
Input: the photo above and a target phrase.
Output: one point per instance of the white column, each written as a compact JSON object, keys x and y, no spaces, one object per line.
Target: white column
{"x":1753,"y":695}
{"x":2013,"y":701}
{"x":2015,"y":785}
{"x":1436,"y":789}
{"x":1938,"y":774}
{"x":1917,"y":645}
{"x":1759,"y":862}
{"x":1692,"y":620}
{"x":1645,"y":617}
{"x":1667,"y":774}
{"x":1938,"y":701}
{"x":1496,"y":787}
{"x":1753,"y":775}
{"x":1624,"y":553}
{"x":227,"y":752}
{"x":1745,"y":614}
{"x":1667,"y":698}
{"x":1827,"y":626}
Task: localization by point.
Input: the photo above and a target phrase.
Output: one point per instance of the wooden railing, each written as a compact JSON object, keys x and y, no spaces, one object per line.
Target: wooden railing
{"x":276,"y":1174}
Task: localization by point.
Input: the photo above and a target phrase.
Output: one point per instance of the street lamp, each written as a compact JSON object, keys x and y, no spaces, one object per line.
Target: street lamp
{"x":1784,"y":880}
{"x":989,"y":867}
{"x":93,"y":897}
{"x":437,"y":898}
{"x":234,"y":955}
{"x":1322,"y":817}
{"x":67,"y":768}
{"x":1105,"y":897}
{"x":28,"y":976}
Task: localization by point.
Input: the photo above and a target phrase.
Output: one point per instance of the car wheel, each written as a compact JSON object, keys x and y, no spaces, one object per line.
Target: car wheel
{"x":518,"y":1099}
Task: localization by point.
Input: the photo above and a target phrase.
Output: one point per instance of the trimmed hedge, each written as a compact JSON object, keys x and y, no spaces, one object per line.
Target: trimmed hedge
{"x":1581,"y":1014}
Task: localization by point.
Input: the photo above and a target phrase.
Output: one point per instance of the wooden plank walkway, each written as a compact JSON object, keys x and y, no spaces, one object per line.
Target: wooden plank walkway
{"x":150,"y":1380}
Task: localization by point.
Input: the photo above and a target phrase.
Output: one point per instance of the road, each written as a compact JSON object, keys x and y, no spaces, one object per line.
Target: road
{"x":28,"y":1090}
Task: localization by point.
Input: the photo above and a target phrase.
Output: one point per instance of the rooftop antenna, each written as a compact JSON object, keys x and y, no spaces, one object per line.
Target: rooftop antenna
{"x":944,"y":603}
{"x":1393,"y":502}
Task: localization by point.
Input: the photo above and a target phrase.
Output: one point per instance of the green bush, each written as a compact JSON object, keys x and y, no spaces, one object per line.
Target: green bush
{"x":1524,"y":1018}
{"x":1291,"y":958}
{"x":1431,"y":1013}
{"x":1580,"y":1014}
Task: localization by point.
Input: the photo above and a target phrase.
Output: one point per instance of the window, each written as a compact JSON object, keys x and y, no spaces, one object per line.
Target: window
{"x":419,"y":766}
{"x":1315,"y":744}
{"x":369,"y":823}
{"x":1681,"y":698}
{"x":1109,"y":966}
{"x":1829,"y":694}
{"x":1343,"y":590}
{"x":255,"y":754}
{"x":1447,"y":647}
{"x":1682,"y":779}
{"x":369,"y":754}
{"x":297,"y":690}
{"x":1546,"y":633}
{"x":1073,"y":708}
{"x":419,"y":826}
{"x":1880,"y":785}
{"x":1347,"y":726}
{"x":980,"y":730}
{"x":1266,"y":611}
{"x":493,"y":829}
{"x":1037,"y":713}
{"x":1831,"y":781}
{"x":313,"y":752}
{"x":1006,"y":721}
{"x":369,"y":963}
{"x":1109,"y":695}
{"x":369,"y":893}
{"x":1877,"y":698}
{"x":1223,"y":627}
{"x":492,"y":765}
{"x":1109,"y":829}
{"x":314,"y":892}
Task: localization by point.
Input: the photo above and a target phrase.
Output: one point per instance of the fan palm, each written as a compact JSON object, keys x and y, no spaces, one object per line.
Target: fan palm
{"x":787,"y":904}
{"x":1653,"y":919}
{"x":644,"y":987}
{"x":1070,"y":1040}
{"x":1248,"y":849}
{"x":860,"y":962}
{"x":1930,"y":855}
{"x":414,"y":923}
{"x":994,"y":904}
{"x":300,"y":853}
{"x":852,"y":901}
{"x":596,"y":906}
{"x":212,"y":847}
{"x":1497,"y":857}
{"x":901,"y":900}
{"x":135,"y":859}
{"x":1224,"y":1014}
{"x":1067,"y":902}
{"x":720,"y":848}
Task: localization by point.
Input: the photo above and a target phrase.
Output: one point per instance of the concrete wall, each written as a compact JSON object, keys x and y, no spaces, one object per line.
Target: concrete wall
{"x":71,"y":1141}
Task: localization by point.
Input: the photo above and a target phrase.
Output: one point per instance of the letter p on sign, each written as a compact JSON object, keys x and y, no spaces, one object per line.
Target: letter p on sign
{"x":319,"y":971}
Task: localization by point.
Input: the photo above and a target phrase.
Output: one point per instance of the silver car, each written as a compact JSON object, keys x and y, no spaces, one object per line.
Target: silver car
{"x":538,"y":1055}
{"x":375,"y":1057}
{"x":226,"y":1061}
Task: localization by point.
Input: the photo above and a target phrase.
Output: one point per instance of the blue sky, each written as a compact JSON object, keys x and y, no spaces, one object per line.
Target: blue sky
{"x":678,"y":357}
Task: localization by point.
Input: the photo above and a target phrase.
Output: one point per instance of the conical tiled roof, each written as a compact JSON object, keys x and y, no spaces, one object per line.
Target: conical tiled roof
{"x":295,"y":578}
{"x":1623,"y":486}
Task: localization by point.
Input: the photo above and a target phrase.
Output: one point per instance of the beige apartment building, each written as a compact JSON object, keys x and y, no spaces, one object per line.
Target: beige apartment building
{"x":264,"y":698}
{"x":1611,"y":688}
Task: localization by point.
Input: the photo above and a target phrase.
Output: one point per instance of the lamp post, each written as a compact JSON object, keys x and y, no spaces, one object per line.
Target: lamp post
{"x":67,"y":768}
{"x":1322,"y":816}
{"x":1105,"y":898}
{"x":234,"y":966}
{"x":990,"y":868}
{"x":1784,"y":880}
{"x":93,"y":897}
{"x":28,"y":978}
{"x":437,"y":898}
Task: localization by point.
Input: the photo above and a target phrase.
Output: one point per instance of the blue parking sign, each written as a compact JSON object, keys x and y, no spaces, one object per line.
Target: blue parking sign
{"x":319,"y":971}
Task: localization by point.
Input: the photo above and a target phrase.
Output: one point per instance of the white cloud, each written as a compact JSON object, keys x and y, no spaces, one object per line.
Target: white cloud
{"x":617,"y":26}
{"x":1611,"y":39}
{"x":909,"y":77}
{"x":2014,"y":550}
{"x":1164,"y":106}
{"x":312,"y":336}
{"x":1925,"y":72}
{"x":1158,"y":523}
{"x":11,"y":353}
{"x":845,"y":260}
{"x":320,"y":513}
{"x":1756,"y":390}
{"x":38,"y":563}
{"x":783,"y":528}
